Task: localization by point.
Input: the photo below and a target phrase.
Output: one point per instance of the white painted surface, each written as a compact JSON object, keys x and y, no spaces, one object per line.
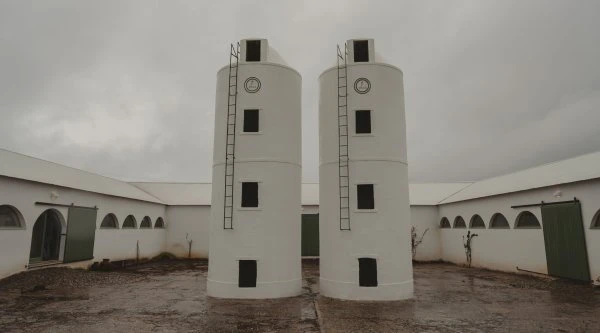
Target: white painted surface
{"x":431,"y":194}
{"x":576,"y":169}
{"x":312,"y":209}
{"x":426,"y":218}
{"x":187,"y":223}
{"x":179,"y":194}
{"x":29,"y":168}
{"x":269,"y":234}
{"x":310,"y":194}
{"x":114,"y":244}
{"x":503,"y":249}
{"x":379,"y":159}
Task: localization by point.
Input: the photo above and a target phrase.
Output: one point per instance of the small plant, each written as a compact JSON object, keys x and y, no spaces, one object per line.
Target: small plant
{"x":467,"y":245}
{"x":415,"y":240}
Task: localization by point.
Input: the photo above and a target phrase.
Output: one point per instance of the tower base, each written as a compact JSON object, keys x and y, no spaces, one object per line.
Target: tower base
{"x":276,"y":289}
{"x":351,"y":291}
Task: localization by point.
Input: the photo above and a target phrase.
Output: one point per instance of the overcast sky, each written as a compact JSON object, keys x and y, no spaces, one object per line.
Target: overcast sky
{"x":127,"y":88}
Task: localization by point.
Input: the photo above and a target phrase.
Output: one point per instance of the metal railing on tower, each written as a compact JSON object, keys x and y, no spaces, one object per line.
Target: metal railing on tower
{"x":232,"y":92}
{"x":343,"y":147}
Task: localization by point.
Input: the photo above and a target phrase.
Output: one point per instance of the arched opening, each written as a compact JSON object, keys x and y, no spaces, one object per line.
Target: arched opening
{"x":130,"y":222}
{"x":526,"y":220}
{"x":596,"y":220}
{"x":499,"y":222}
{"x":10,"y":217}
{"x":110,"y":222}
{"x":159,"y":224}
{"x":444,"y":223}
{"x":146,"y":223}
{"x":46,"y":237}
{"x":459,"y":222}
{"x":476,"y":222}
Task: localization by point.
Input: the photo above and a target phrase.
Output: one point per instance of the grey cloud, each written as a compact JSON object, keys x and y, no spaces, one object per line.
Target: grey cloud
{"x":127,"y":88}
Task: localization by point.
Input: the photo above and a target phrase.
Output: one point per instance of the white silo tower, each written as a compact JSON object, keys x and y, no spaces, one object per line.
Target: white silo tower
{"x":256,"y":207}
{"x":364,"y":208}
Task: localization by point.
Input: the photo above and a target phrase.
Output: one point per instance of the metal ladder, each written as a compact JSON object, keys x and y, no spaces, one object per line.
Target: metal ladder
{"x":344,"y":168}
{"x":232,"y":91}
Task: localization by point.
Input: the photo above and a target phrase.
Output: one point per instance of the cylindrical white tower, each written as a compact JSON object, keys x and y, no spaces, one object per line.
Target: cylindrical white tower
{"x":256,"y":208}
{"x":365,"y":251}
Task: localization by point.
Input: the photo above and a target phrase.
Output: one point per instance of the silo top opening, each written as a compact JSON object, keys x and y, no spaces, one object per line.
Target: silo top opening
{"x":361,"y":51}
{"x":252,"y":50}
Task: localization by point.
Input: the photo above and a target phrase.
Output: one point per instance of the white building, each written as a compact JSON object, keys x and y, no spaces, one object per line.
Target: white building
{"x":364,"y":207}
{"x":30,"y":186}
{"x":257,"y":171}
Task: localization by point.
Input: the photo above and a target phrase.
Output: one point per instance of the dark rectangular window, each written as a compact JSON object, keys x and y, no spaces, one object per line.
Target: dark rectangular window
{"x":251,"y":120}
{"x":247,"y":274}
{"x":361,"y":51}
{"x":367,"y":272}
{"x":363,"y":121}
{"x":365,"y":197}
{"x":252,"y":50}
{"x":249,"y":194}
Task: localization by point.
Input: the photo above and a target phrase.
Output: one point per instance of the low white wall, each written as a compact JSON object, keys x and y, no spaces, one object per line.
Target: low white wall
{"x":506,"y":249}
{"x":310,"y":209}
{"x":190,"y":221}
{"x":423,"y":218}
{"x":114,"y":244}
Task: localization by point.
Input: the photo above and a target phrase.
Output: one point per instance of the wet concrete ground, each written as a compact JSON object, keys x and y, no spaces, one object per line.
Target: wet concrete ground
{"x":171,"y":296}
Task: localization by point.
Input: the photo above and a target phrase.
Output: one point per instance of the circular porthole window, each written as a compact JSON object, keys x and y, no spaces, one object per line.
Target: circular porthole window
{"x":252,"y":85}
{"x":362,"y":85}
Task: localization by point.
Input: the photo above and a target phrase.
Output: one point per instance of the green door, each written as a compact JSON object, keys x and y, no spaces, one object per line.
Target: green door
{"x":564,"y":237}
{"x":310,"y":235}
{"x":81,"y":233}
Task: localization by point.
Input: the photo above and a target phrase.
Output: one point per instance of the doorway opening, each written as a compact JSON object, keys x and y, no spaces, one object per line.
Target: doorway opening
{"x":247,"y":274}
{"x":367,"y":272}
{"x":46,"y":237}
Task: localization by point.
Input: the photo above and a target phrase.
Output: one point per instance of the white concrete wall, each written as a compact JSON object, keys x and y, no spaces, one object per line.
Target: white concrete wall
{"x":423,"y":218}
{"x":505,"y":249}
{"x":270,"y":233}
{"x":190,"y":221}
{"x":310,"y":209}
{"x":113,"y":244}
{"x":378,"y":158}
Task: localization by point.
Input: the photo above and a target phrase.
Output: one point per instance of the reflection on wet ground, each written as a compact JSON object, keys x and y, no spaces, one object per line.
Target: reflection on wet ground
{"x":170,"y":296}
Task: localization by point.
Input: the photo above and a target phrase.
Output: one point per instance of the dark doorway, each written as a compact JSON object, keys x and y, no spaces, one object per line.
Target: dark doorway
{"x":45,"y":240}
{"x":310,"y":235}
{"x":564,"y":238}
{"x":253,"y":50}
{"x":249,"y":194}
{"x":367,"y":272}
{"x":363,"y":121}
{"x":365,"y":196}
{"x":251,"y":120}
{"x":361,"y":51}
{"x":247,"y":275}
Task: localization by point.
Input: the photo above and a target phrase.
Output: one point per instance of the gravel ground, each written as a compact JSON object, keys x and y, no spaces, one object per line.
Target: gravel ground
{"x":62,"y":277}
{"x":170,"y":296}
